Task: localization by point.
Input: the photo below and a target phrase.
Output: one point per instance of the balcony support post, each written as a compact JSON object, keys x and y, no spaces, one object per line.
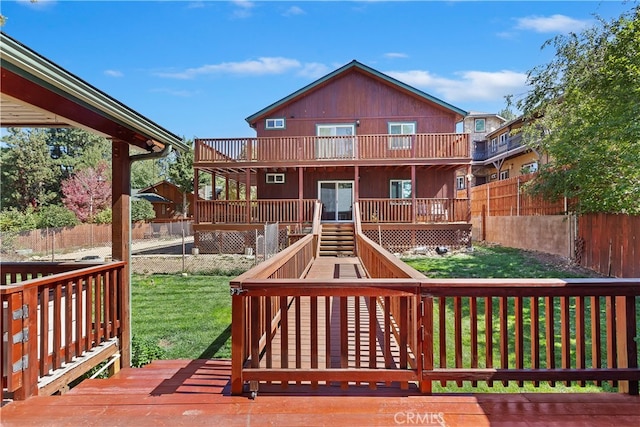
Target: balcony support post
{"x":300,"y":194}
{"x":413,"y":194}
{"x":247,"y":195}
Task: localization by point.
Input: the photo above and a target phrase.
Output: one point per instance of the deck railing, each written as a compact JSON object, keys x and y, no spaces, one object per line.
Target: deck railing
{"x":322,"y":148}
{"x":424,"y":210}
{"x":51,"y":315}
{"x":397,"y":325}
{"x":255,"y":211}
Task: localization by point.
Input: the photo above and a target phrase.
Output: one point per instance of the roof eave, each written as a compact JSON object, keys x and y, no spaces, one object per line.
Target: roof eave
{"x":39,"y":70}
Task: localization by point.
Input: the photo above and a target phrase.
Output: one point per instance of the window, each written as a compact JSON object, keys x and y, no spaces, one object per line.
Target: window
{"x":400,"y":188}
{"x":494,"y":146}
{"x":503,"y":138}
{"x":401,"y":128}
{"x":460,"y":182}
{"x":275,"y":123}
{"x":335,"y":142}
{"x":504,"y":174}
{"x":479,"y":125}
{"x":529,"y":168}
{"x":275,"y":178}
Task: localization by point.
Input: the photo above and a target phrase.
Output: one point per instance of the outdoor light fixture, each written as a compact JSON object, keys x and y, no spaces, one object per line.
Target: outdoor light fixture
{"x":357,"y":122}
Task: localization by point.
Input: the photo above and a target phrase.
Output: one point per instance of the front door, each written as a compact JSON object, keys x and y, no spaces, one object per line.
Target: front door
{"x":337,"y":200}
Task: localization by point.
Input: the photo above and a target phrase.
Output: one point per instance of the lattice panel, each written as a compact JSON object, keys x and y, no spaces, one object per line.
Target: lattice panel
{"x":410,"y":240}
{"x":225,"y":242}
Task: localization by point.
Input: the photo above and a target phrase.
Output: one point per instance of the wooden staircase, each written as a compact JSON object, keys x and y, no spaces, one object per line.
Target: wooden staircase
{"x":337,"y":239}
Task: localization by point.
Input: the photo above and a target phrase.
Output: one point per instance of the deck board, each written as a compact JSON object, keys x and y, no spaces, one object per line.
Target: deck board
{"x":197,"y":392}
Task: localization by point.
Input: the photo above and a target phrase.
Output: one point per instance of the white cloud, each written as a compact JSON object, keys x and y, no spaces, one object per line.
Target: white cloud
{"x":294,"y":10}
{"x":243,"y":8}
{"x":260,"y":66}
{"x":394,"y":55}
{"x":314,"y":70}
{"x":113,"y":73}
{"x":175,"y":92}
{"x":470,"y":86}
{"x":551,"y":24}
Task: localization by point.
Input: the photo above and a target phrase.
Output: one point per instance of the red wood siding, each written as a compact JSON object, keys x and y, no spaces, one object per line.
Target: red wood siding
{"x":357,"y":96}
{"x":173,"y":193}
{"x":374,"y":182}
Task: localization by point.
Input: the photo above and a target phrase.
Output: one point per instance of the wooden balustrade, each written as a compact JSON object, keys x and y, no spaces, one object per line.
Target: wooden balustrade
{"x":255,"y":211}
{"x":53,"y":319}
{"x":348,"y":148}
{"x":572,"y":330}
{"x":425,"y":210}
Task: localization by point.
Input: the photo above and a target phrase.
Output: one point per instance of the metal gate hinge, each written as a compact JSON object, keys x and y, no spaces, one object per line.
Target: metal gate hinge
{"x":237,"y":291}
{"x":21,"y":364}
{"x":21,"y":313}
{"x":21,"y":337}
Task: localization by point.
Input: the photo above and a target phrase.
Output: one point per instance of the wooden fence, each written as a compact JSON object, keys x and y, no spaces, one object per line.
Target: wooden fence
{"x":509,"y":197}
{"x":609,"y":244}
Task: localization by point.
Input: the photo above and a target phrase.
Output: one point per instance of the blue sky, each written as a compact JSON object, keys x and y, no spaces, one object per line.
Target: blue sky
{"x":198,"y":68}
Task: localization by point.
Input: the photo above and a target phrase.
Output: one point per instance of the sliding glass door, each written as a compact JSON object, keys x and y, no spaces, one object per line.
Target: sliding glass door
{"x":337,"y":200}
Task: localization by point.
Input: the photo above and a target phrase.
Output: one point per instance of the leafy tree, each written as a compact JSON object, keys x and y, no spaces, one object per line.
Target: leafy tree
{"x":147,"y":173}
{"x":587,"y":101}
{"x":181,"y":174}
{"x":76,"y":149}
{"x":13,"y":219}
{"x":54,"y":216}
{"x":87,"y":192}
{"x":28,"y":175}
{"x":142,"y":210}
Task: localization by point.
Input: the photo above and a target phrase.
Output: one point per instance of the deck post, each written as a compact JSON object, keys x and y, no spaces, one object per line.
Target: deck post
{"x":238,"y":340}
{"x":121,"y":237}
{"x":425,"y":339}
{"x":30,"y":345}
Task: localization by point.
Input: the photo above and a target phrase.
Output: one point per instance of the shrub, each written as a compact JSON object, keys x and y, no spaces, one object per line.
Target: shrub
{"x":144,"y":351}
{"x":142,"y":210}
{"x":103,"y":217}
{"x":54,"y":216}
{"x":13,"y":220}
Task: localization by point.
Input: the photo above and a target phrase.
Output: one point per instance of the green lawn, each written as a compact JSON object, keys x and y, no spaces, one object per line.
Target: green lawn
{"x":189,"y":317}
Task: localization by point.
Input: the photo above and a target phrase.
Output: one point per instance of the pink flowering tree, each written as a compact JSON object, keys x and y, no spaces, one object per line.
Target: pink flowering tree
{"x":88,"y":192}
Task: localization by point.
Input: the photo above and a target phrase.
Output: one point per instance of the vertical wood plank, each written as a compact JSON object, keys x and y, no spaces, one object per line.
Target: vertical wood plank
{"x":596,"y":340}
{"x":610,"y":313}
{"x":504,"y":337}
{"x":550,"y":335}
{"x":457,"y":316}
{"x":580,"y":336}
{"x":314,"y":336}
{"x":565,"y":334}
{"x":488,"y":334}
{"x":427,"y":346}
{"x":237,"y":342}
{"x":442,"y":325}
{"x":473,"y":319}
{"x":519,"y":338}
{"x":535,"y":336}
{"x":44,"y":331}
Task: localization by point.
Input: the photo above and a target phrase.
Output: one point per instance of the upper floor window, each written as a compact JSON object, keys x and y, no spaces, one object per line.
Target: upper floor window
{"x":274,"y":123}
{"x":504,"y":174}
{"x":460,"y":183}
{"x":503,"y":138}
{"x":400,"y":189}
{"x":479,"y":125}
{"x":401,"y":128}
{"x":335,"y":142}
{"x":494,"y":145}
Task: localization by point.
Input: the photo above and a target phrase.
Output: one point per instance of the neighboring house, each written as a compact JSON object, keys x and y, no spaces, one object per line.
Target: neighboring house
{"x":477,"y":125}
{"x":167,"y":200}
{"x":504,"y":154}
{"x":354,"y":135}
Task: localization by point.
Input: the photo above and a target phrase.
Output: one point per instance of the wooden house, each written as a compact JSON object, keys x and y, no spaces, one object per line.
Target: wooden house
{"x":504,"y":154}
{"x":355,"y":135}
{"x":168,"y":200}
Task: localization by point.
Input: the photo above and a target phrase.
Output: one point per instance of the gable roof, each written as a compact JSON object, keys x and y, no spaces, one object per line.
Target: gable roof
{"x":346,"y":68}
{"x":35,"y":92}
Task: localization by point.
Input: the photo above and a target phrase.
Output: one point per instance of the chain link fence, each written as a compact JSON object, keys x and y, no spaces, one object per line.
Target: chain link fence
{"x":157,"y":247}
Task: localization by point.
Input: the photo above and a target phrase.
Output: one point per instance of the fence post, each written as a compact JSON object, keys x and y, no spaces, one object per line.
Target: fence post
{"x":518,"y":197}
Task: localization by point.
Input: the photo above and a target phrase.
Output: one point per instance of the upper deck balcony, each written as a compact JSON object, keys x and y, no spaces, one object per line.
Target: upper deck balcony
{"x":487,"y":150}
{"x":354,"y":149}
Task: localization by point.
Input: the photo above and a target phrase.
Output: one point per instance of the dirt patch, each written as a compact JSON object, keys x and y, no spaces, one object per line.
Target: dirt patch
{"x":227,"y":265}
